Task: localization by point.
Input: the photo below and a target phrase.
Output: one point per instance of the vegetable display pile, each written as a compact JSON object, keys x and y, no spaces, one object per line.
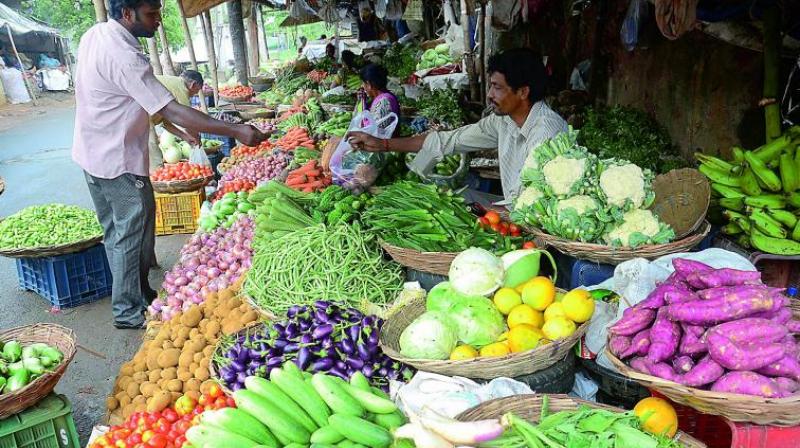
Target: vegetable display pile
{"x":322,"y":337}
{"x":234,"y":186}
{"x":176,"y":360}
{"x":209,"y":262}
{"x":20,"y":366}
{"x":308,"y":178}
{"x":226,"y":211}
{"x":295,"y":138}
{"x":569,"y":193}
{"x":336,"y":205}
{"x":48,"y":225}
{"x":492,"y":220}
{"x":280,"y":210}
{"x":227,"y":163}
{"x":294,"y":408}
{"x":340,"y":263}
{"x":174,"y":150}
{"x":167,"y":428}
{"x":266,"y":125}
{"x":304,"y":155}
{"x":336,"y":126}
{"x":441,"y":106}
{"x":345,"y":99}
{"x":236,"y":91}
{"x":446,"y":167}
{"x":244,"y":151}
{"x":420,"y":217}
{"x":624,"y":133}
{"x":258,"y":169}
{"x":317,"y":76}
{"x":401,"y":60}
{"x":759,"y":191}
{"x":435,"y":57}
{"x":717,"y":329}
{"x":181,"y":171}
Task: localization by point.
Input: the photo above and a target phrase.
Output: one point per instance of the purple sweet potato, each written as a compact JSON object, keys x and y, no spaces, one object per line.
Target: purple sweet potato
{"x":682,"y":364}
{"x":788,"y":386}
{"x":786,"y":366}
{"x":664,"y":337}
{"x":782,"y":317}
{"x":732,"y":307}
{"x":751,"y":330}
{"x":722,"y":277}
{"x":692,"y":342}
{"x":659,"y":369}
{"x":748,"y":383}
{"x":790,"y":346}
{"x":743,"y":355}
{"x":706,"y":371}
{"x":726,"y":291}
{"x":640,"y":344}
{"x":619,"y":344}
{"x":641,"y":364}
{"x":685,"y":267}
{"x":793,"y":326}
{"x":676,"y":294}
{"x":634,"y":320}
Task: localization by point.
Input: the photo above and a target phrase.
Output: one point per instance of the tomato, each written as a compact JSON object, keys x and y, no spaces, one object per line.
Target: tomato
{"x":516,"y":233}
{"x":121,"y":444}
{"x":503,"y":231}
{"x":170,"y":415}
{"x":181,"y":427}
{"x":162,"y":426}
{"x":180,"y":440}
{"x":231,"y":402}
{"x":483,"y":221}
{"x":513,"y":228}
{"x":158,"y":441}
{"x":496,"y":227}
{"x":492,"y":216}
{"x":103,"y":440}
{"x":529,"y":245}
{"x":147,"y":435}
{"x":504,"y":226}
{"x":134,"y":438}
{"x":185,"y":405}
{"x":214,"y":391}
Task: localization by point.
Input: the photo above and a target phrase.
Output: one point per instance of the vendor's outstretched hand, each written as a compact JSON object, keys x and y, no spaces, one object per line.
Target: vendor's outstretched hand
{"x":250,"y":135}
{"x":364,"y":142}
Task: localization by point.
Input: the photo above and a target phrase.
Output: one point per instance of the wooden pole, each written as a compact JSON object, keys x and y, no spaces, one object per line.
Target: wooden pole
{"x":772,"y":46}
{"x":188,"y":37}
{"x":152,"y":50}
{"x":169,"y":68}
{"x":262,"y":30}
{"x":21,"y":68}
{"x":482,"y":55}
{"x":208,"y":32}
{"x":252,"y":41}
{"x":238,"y":38}
{"x":100,"y":13}
{"x":469,"y":64}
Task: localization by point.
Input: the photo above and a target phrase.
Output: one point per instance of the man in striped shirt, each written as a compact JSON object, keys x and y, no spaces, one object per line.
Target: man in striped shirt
{"x":520,"y":122}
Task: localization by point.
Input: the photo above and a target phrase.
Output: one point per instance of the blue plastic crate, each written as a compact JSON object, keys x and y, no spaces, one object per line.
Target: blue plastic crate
{"x":228,"y":143}
{"x":589,"y":273}
{"x":67,"y":280}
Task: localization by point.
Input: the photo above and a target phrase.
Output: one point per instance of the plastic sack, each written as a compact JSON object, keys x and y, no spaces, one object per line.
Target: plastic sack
{"x":380,"y":9}
{"x":394,"y":10}
{"x":14,"y":85}
{"x":629,"y":32}
{"x":357,"y":170}
{"x":413,"y":11}
{"x":198,"y":156}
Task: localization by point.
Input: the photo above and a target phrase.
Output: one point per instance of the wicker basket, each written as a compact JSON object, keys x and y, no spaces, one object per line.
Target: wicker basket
{"x":512,"y":365}
{"x":236,"y":99}
{"x":431,"y":262}
{"x":734,"y":407}
{"x":214,"y":148}
{"x":54,"y":335}
{"x":682,"y":198}
{"x":529,"y":407}
{"x":181,"y":186}
{"x":52,"y":251}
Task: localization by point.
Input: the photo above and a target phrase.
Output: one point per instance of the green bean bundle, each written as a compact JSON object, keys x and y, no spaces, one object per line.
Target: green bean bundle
{"x":336,"y":263}
{"x":48,"y":225}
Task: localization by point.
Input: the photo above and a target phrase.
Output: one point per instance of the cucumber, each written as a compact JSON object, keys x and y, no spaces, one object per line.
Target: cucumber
{"x":361,"y":431}
{"x":359,"y":381}
{"x":285,"y":428}
{"x":202,"y":435}
{"x":240,"y":422}
{"x":321,"y":445}
{"x":335,"y":396}
{"x":276,"y":396}
{"x":379,"y":392}
{"x":303,"y":394}
{"x":390,"y":421}
{"x":326,"y":434}
{"x":296,"y":445}
{"x":370,"y":401}
{"x":292,"y":369}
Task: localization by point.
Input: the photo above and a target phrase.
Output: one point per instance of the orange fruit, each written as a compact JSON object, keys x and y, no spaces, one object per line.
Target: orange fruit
{"x":578,"y":305}
{"x":463,"y":352}
{"x":524,"y":337}
{"x":553,"y":311}
{"x":495,"y":349}
{"x":505,"y":299}
{"x":558,"y":328}
{"x":657,"y":416}
{"x":539,"y":293}
{"x":524,"y":314}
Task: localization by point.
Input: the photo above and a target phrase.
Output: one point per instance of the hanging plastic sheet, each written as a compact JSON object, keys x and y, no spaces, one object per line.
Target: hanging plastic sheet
{"x":329,"y":13}
{"x":301,"y":10}
{"x":629,"y":32}
{"x":394,"y":10}
{"x":414,"y":11}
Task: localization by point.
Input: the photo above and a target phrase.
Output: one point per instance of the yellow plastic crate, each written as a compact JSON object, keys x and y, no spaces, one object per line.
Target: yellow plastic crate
{"x":178,"y":213}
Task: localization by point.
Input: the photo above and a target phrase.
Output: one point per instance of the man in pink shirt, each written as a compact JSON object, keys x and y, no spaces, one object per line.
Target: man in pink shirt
{"x":115,"y":94}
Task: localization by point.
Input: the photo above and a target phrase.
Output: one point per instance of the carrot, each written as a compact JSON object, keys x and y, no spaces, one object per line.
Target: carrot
{"x":297,"y":181}
{"x":307,"y":169}
{"x":312,"y":184}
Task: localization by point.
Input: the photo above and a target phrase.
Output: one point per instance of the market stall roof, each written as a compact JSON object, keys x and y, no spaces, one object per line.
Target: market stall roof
{"x":195,"y":7}
{"x":20,"y":24}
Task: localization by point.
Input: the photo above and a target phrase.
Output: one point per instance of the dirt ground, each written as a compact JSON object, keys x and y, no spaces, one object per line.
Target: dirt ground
{"x":12,"y":115}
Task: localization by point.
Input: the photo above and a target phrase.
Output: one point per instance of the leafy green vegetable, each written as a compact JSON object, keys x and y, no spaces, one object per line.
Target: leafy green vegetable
{"x":433,"y":335}
{"x":441,"y":106}
{"x":401,"y":60}
{"x":48,"y":225}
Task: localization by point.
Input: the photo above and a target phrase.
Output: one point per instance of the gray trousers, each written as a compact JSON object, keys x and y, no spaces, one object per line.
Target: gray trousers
{"x":126,"y":209}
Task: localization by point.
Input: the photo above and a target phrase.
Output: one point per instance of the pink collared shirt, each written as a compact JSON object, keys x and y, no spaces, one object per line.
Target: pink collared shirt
{"x":115,"y":94}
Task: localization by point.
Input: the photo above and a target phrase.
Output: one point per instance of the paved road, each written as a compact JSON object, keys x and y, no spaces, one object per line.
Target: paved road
{"x":36,"y":165}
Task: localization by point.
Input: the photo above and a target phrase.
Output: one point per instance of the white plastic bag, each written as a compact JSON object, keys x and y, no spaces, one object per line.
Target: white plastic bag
{"x":357,"y":170}
{"x":198,"y":156}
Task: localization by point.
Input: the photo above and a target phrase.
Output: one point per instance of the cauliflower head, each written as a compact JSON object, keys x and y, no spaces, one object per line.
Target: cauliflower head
{"x":639,"y":227}
{"x":625,"y":186}
{"x":582,"y":204}
{"x":574,"y":218}
{"x":527,"y":197}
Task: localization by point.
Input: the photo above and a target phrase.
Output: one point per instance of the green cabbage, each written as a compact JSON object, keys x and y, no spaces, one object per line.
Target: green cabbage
{"x":432,"y":335}
{"x":476,"y":272}
{"x":478,"y":321}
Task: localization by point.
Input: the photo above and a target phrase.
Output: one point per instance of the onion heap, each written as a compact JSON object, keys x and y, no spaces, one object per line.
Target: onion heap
{"x":259,"y":169}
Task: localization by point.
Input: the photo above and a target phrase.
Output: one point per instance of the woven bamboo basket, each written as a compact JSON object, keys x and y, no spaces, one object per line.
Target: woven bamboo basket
{"x":54,"y":335}
{"x":512,"y":365}
{"x":432,"y":262}
{"x":181,"y":186}
{"x":52,"y":251}
{"x":682,"y":199}
{"x":213,"y":148}
{"x":529,"y":407}
{"x":734,"y":407}
{"x":237,"y":99}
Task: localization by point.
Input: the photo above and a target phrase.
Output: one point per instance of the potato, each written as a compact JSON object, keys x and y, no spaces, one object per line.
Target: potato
{"x":174,"y":333}
{"x":249,"y":316}
{"x":192,"y":384}
{"x":148,"y":389}
{"x":197,"y":357}
{"x":230,"y":327}
{"x":174,"y":385}
{"x":122,"y":382}
{"x":133,"y":389}
{"x":201,"y":373}
{"x":139,"y":407}
{"x":203,"y":325}
{"x":169,"y":374}
{"x":127,"y":411}
{"x":226,"y":295}
{"x":167,"y":345}
{"x":126,"y":369}
{"x":193,"y":366}
{"x":179,"y":342}
{"x":112,"y":403}
{"x":174,"y":396}
{"x":208,"y":351}
{"x":184,"y":332}
{"x":185,"y":359}
{"x":206,"y":385}
{"x":123,"y":398}
{"x":191,"y":317}
{"x":154,"y":375}
{"x":140,"y":366}
{"x":169,"y":358}
{"x":205,"y":362}
{"x":184,"y":375}
{"x":160,"y":401}
{"x":198,"y":345}
{"x":193,"y":394}
{"x":235,"y":316}
{"x":139,"y":377}
{"x":194,"y":333}
{"x":243,"y":308}
{"x":212,"y":329}
{"x":139,"y":400}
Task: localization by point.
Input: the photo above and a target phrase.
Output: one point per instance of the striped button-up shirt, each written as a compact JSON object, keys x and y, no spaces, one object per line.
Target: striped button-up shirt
{"x":513,"y":143}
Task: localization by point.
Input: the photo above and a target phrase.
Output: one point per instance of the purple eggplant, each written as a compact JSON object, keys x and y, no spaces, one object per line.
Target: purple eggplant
{"x":279,"y":343}
{"x":237,"y":366}
{"x":274,"y":362}
{"x":251,"y":370}
{"x":228,"y":376}
{"x":341,"y":365}
{"x":291,"y":347}
{"x":292,"y":330}
{"x":338,"y":372}
{"x":383,"y":371}
{"x":279,"y":328}
{"x":306,"y":339}
{"x":363,"y":351}
{"x":373,"y":339}
{"x":321,"y":316}
{"x":322,"y":305}
{"x":368,"y":370}
{"x":327,"y":344}
{"x":355,"y":363}
{"x":303,"y":358}
{"x":347,"y":346}
{"x":322,"y":331}
{"x":293,"y":310}
{"x":322,"y":365}
{"x":368,"y":321}
{"x":305,"y":325}
{"x":236,"y":386}
{"x":354,"y":332}
{"x":240,"y":377}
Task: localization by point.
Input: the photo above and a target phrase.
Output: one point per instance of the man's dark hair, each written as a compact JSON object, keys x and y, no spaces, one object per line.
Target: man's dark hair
{"x":323,"y":37}
{"x":376,"y":75}
{"x":522,"y":67}
{"x":349,"y":58}
{"x":192,"y":76}
{"x":115,"y":6}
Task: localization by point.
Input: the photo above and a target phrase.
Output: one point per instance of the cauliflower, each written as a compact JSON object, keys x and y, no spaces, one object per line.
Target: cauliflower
{"x":639,"y":227}
{"x":573,"y":218}
{"x":528,"y":196}
{"x":624,"y":185}
{"x":560,"y":167}
{"x":562,"y":174}
{"x":582,"y":204}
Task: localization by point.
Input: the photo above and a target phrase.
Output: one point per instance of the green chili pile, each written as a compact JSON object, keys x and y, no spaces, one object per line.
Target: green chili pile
{"x":336,"y":263}
{"x":48,"y":225}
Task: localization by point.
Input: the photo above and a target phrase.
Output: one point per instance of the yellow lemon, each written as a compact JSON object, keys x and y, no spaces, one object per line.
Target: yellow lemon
{"x":657,"y":416}
{"x":578,"y":305}
{"x":539,"y":293}
{"x":558,"y":328}
{"x":505,"y":299}
{"x":495,"y":349}
{"x":554,"y":310}
{"x":503,"y":336}
{"x":524,"y":337}
{"x":560,"y":296}
{"x":524,"y":314}
{"x":463,"y":352}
